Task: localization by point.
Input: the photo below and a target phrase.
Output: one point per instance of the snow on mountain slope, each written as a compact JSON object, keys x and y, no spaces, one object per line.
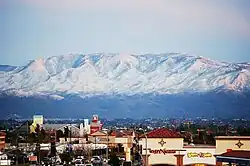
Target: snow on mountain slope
{"x":125,"y":73}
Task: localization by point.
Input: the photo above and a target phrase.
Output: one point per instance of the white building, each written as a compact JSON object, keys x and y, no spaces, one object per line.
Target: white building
{"x":165,"y":147}
{"x":4,"y":159}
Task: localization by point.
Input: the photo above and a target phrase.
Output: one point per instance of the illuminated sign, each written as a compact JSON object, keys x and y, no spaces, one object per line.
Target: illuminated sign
{"x":162,"y":151}
{"x":32,"y":158}
{"x":201,"y":155}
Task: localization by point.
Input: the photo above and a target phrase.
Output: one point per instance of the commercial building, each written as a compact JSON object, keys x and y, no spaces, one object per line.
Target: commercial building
{"x":165,"y":147}
{"x":158,"y":147}
{"x":232,"y":150}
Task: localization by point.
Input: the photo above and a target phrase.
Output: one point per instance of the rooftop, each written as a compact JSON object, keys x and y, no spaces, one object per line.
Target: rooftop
{"x":56,"y":126}
{"x":163,"y":133}
{"x":122,"y":133}
{"x":191,"y":145}
{"x":236,"y":154}
{"x":232,"y":137}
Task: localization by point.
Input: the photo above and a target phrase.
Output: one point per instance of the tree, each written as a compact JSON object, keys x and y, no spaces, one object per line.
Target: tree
{"x":59,"y":134}
{"x":120,"y":148}
{"x":65,"y":157}
{"x":66,"y":132}
{"x":53,"y":148}
{"x":87,"y":151}
{"x":86,"y":137}
{"x":114,"y":160}
{"x":243,"y":131}
{"x":37,"y":129}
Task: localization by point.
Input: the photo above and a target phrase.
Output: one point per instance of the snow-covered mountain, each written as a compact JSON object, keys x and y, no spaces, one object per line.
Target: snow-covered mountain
{"x":126,"y":85}
{"x":100,"y":73}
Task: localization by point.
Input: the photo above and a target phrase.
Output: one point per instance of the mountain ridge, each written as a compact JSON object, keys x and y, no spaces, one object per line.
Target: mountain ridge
{"x":101,"y":73}
{"x":126,"y":85}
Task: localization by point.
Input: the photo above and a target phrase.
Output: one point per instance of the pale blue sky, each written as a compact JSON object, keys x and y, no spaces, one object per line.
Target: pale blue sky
{"x":217,"y":29}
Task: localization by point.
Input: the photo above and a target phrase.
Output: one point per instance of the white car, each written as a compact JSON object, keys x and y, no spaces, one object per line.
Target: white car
{"x":122,"y":158}
{"x":96,"y":159}
{"x":80,"y":157}
{"x":79,"y":162}
{"x":89,"y":164}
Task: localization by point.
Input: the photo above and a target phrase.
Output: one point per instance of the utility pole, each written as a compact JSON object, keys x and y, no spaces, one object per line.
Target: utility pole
{"x":55,"y":146}
{"x":70,"y":134}
{"x":107,"y":149}
{"x":95,"y":144}
{"x":39,"y":153}
{"x":27,"y":128}
{"x":71,"y":146}
{"x":17,"y":153}
{"x":146,"y":141}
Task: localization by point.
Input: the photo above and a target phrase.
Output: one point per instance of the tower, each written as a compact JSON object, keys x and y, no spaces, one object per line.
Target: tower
{"x":95,"y":124}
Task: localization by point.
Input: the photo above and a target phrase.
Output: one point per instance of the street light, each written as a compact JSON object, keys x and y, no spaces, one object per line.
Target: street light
{"x":146,"y":142}
{"x":128,"y":142}
{"x":95,"y":145}
{"x":107,"y":149}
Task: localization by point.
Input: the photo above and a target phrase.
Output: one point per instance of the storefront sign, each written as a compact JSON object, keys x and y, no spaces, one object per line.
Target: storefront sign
{"x":161,"y":151}
{"x":201,"y":155}
{"x":32,"y":158}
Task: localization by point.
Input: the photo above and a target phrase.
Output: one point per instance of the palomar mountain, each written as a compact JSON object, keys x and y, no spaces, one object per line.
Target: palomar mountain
{"x":118,"y":85}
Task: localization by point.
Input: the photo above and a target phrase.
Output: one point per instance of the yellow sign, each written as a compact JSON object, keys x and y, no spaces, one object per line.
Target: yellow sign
{"x":32,"y":128}
{"x":38,"y":119}
{"x":201,"y":155}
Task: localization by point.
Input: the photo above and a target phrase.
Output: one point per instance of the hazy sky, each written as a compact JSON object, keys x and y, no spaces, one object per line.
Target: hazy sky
{"x":217,"y":29}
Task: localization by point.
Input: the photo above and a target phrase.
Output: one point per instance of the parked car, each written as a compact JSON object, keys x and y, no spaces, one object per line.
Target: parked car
{"x":88,"y":164}
{"x":46,"y":161}
{"x":79,"y":162}
{"x":96,"y":160}
{"x":127,"y":163}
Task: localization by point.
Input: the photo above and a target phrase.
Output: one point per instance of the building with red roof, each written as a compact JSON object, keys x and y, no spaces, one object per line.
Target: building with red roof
{"x":166,"y":147}
{"x":163,"y":133}
{"x":237,"y":157}
{"x":163,"y":146}
{"x":232,"y":150}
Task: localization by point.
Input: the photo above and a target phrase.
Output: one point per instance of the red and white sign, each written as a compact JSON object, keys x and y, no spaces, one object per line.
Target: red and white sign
{"x":32,"y":158}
